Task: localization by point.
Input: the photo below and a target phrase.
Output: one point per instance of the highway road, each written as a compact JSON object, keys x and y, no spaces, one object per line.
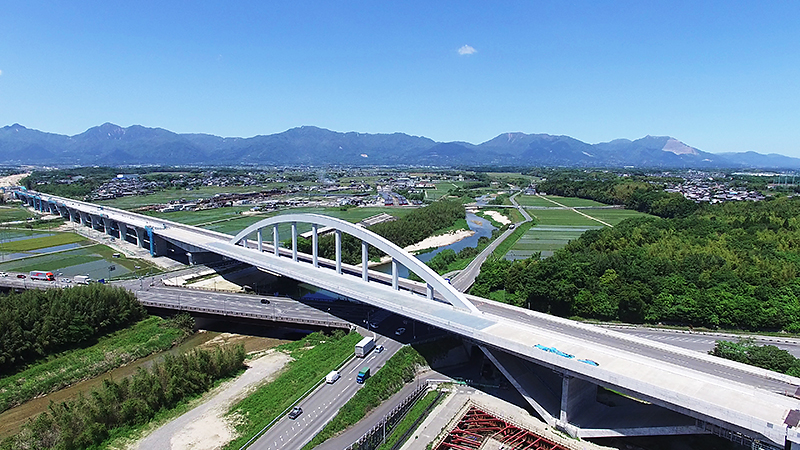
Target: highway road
{"x":653,"y":349}
{"x":323,"y":403}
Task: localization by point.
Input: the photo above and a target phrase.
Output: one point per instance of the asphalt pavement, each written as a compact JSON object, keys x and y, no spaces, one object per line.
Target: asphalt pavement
{"x":323,"y":403}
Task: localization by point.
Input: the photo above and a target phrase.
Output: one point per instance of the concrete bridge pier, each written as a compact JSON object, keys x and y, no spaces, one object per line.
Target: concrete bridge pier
{"x":140,"y":235}
{"x":108,"y":226}
{"x":123,"y":231}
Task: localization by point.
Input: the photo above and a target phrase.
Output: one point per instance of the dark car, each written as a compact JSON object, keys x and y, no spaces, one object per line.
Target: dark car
{"x":20,"y":276}
{"x":296,"y":411}
{"x":265,"y":301}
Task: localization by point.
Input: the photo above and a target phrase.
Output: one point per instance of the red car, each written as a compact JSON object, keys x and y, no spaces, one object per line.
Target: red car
{"x":20,"y":276}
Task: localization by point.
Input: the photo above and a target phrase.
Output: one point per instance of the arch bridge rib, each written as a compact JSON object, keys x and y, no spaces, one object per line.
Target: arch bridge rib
{"x":367,"y":237}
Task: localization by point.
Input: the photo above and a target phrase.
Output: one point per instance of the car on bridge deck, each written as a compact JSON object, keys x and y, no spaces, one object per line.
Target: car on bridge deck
{"x":400,"y":331}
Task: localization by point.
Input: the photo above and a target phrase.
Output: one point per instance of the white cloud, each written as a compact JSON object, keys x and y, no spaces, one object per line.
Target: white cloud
{"x":1,"y":72}
{"x":466,"y":50}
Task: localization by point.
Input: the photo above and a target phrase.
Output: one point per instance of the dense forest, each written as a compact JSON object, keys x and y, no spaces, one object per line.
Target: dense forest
{"x":88,"y":420}
{"x":731,"y":265}
{"x":408,"y":230}
{"x":37,"y":323}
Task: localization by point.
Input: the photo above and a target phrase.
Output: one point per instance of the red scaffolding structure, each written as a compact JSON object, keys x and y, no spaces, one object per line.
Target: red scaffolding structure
{"x":476,"y":426}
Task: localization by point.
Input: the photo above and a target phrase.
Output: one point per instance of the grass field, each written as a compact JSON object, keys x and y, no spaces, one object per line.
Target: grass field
{"x":14,"y":213}
{"x":534,"y":200}
{"x":573,"y":201}
{"x":614,"y":216}
{"x":562,"y":217}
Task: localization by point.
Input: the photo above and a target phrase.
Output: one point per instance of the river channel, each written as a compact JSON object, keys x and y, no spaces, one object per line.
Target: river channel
{"x":12,"y":419}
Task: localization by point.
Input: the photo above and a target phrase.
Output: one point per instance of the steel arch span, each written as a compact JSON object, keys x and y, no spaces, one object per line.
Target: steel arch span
{"x":367,"y":237}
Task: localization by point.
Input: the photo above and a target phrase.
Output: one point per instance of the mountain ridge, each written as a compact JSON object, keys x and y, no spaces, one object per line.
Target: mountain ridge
{"x":115,"y":145}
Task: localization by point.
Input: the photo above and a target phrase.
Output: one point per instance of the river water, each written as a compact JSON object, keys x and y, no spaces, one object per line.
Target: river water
{"x":11,"y":420}
{"x":482,"y":227}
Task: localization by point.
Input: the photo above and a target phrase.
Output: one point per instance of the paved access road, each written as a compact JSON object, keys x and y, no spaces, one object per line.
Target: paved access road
{"x":464,"y":280}
{"x":323,"y":404}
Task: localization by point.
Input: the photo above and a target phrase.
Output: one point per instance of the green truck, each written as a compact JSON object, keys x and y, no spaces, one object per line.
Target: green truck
{"x":363,"y":375}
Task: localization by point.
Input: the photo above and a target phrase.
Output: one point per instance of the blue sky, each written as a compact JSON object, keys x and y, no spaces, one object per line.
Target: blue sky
{"x":720,"y":76}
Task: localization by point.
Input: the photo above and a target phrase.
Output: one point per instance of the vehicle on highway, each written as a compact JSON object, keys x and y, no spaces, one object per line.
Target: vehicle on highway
{"x":295,"y":412}
{"x":82,"y":279}
{"x":511,"y":227}
{"x":41,"y":275}
{"x":21,"y":276}
{"x":332,"y":377}
{"x":362,"y":375}
{"x":379,"y":349}
{"x":378,"y":318}
{"x":400,"y":331}
{"x":364,"y":347}
{"x":3,"y":274}
{"x":265,"y":301}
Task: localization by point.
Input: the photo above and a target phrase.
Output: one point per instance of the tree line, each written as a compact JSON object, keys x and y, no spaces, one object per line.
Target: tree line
{"x":767,"y":357}
{"x":639,"y":192}
{"x":36,"y":323}
{"x":414,"y":227}
{"x":731,"y":265}
{"x":88,"y":420}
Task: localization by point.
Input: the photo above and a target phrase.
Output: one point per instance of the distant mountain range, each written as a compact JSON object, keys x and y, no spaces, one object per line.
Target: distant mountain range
{"x":109,"y":144}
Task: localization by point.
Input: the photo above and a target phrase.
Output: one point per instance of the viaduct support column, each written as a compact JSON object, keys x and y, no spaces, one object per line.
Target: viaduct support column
{"x":395,"y":284}
{"x":123,"y":231}
{"x":260,"y":242}
{"x":140,"y":232}
{"x":108,"y":226}
{"x":576,"y":395}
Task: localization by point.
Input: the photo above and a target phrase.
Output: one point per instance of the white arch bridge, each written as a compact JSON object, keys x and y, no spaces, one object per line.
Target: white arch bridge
{"x":682,"y":391}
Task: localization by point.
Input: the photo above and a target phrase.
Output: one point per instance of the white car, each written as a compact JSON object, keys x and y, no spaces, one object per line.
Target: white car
{"x":400,"y":331}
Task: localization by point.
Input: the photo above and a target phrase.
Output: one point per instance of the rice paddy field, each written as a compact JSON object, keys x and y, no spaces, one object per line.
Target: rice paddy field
{"x":14,"y":213}
{"x":66,"y":253}
{"x":534,"y":200}
{"x":555,"y":227}
{"x":545,"y":239}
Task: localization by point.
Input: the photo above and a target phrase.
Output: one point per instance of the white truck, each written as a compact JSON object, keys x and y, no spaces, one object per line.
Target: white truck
{"x":332,"y":377}
{"x":81,"y":279}
{"x":364,"y":347}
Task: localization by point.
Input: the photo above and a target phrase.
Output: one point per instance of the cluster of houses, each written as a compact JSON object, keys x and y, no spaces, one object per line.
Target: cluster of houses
{"x":713,"y":192}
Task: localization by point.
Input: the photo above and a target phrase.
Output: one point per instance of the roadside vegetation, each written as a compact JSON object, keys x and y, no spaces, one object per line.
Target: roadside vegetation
{"x":36,"y":324}
{"x":733,"y":265}
{"x":512,"y":239}
{"x":398,"y":370}
{"x":411,"y":421}
{"x":89,"y":420}
{"x":314,"y":356}
{"x":116,"y":349}
{"x":767,"y":357}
